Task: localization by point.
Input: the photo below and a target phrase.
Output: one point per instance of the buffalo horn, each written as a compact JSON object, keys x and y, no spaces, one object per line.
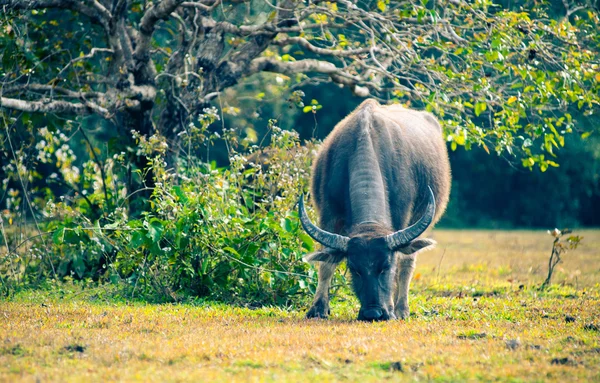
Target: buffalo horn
{"x":331,"y":240}
{"x":404,"y":237}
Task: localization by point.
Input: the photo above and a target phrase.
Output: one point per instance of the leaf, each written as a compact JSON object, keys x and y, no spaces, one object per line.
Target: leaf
{"x":485,"y":148}
{"x":286,"y":224}
{"x":307,"y":109}
{"x":180,"y":194}
{"x":79,"y":266}
{"x":251,"y":251}
{"x":459,"y":138}
{"x":492,"y":56}
{"x":511,"y":99}
{"x":381,"y":5}
{"x":528,"y":162}
{"x":155,"y":230}
{"x":585,"y":135}
{"x":137,"y":239}
{"x":231,"y":250}
{"x":480,"y":107}
{"x":307,"y":241}
{"x":59,"y":236}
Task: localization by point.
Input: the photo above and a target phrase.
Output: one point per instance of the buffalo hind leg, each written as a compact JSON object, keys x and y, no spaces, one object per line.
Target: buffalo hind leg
{"x":320,"y":306}
{"x":405,"y":273}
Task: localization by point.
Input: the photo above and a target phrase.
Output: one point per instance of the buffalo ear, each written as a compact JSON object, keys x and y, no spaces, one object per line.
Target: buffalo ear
{"x":417,"y":246}
{"x":324,"y":256}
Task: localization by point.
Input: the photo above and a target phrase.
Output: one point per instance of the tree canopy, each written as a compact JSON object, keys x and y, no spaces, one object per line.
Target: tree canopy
{"x":506,"y":78}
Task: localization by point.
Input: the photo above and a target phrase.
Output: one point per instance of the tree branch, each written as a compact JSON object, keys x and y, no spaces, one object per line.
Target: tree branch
{"x":105,"y":104}
{"x":201,"y":5}
{"x":48,"y":106}
{"x":157,"y":12}
{"x":50,"y":88}
{"x":304,"y":43}
{"x":289,"y":68}
{"x":267,"y":28}
{"x":106,"y":15}
{"x":235,"y":63}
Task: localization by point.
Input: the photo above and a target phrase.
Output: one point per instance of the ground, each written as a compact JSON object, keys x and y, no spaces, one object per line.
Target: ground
{"x":476,"y":315}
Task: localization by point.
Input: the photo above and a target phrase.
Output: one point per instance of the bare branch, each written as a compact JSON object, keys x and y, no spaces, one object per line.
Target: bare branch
{"x":267,"y":28}
{"x":157,"y":12}
{"x":105,"y":104}
{"x":92,"y":53}
{"x":48,"y":106}
{"x":141,"y":93}
{"x":242,"y":30}
{"x":236,"y":63}
{"x":304,"y":43}
{"x":291,"y":67}
{"x":106,"y":15}
{"x":336,"y":74}
{"x":50,"y":88}
{"x":201,"y":5}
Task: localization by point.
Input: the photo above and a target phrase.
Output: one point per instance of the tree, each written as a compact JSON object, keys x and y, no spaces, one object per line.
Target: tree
{"x":499,"y":77}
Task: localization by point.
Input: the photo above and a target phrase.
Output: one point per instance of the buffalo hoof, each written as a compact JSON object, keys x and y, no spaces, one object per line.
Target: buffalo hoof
{"x":318,"y":310}
{"x":402,"y":312}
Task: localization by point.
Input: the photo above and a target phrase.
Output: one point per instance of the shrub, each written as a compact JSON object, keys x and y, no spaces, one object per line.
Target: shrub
{"x":229,"y":233}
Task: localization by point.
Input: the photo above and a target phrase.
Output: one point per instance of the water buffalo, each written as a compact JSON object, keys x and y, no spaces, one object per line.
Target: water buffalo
{"x":381,"y":178}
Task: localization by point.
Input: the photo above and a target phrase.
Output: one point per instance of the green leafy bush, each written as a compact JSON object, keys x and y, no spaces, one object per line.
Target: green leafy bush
{"x":229,"y":233}
{"x":226,"y":233}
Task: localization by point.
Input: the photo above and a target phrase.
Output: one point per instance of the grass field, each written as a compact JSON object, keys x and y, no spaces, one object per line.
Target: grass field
{"x":476,"y":315}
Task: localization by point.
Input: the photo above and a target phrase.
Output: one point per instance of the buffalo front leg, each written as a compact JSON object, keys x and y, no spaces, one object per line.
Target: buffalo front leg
{"x":405,"y":273}
{"x":320,"y":306}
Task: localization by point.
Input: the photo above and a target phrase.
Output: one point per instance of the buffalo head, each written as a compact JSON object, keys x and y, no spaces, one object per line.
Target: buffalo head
{"x":371,"y":257}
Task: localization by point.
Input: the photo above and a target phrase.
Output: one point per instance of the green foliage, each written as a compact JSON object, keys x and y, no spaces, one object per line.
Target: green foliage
{"x":518,"y":58}
{"x":508,"y":77}
{"x":226,"y":233}
{"x":313,"y":107}
{"x":489,"y":191}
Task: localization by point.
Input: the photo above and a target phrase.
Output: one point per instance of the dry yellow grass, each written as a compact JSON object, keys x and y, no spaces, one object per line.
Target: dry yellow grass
{"x":509,"y":256}
{"x":505,"y":333}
